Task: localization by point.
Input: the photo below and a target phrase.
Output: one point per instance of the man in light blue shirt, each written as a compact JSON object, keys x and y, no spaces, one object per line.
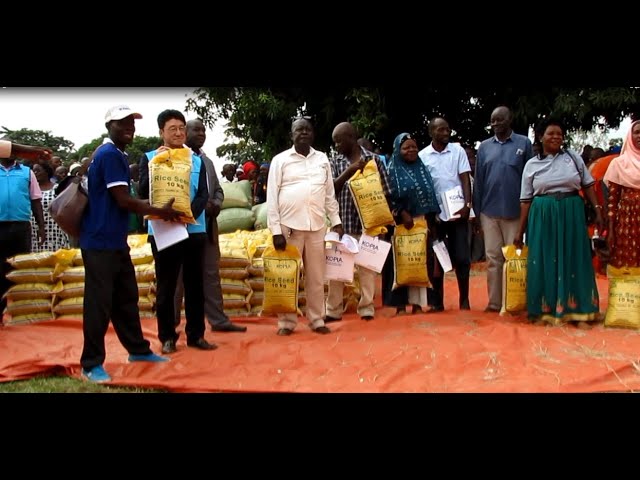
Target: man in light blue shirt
{"x":496,"y":195}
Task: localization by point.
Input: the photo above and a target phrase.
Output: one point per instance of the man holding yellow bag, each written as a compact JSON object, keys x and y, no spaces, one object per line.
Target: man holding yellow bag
{"x":167,"y":173}
{"x":352,"y":158}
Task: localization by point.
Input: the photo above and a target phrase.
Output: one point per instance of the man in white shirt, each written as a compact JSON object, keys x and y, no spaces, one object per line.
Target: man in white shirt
{"x":300,"y":194}
{"x":449,"y":167}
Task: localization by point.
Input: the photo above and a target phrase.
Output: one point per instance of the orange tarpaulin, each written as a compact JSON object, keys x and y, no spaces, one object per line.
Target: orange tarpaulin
{"x":453,"y":351}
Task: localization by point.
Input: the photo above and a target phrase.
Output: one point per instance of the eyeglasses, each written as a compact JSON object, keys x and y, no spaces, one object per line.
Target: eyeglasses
{"x":174,"y":129}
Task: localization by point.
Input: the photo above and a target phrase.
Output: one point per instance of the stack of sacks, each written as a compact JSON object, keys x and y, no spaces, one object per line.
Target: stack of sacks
{"x":30,"y":300}
{"x":234,"y":261}
{"x":256,"y":243}
{"x":69,"y":292}
{"x":236,"y":213}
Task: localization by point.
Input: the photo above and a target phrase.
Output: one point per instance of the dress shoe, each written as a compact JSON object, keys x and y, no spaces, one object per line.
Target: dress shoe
{"x":228,"y":327}
{"x":322,"y":330}
{"x":416,"y":309}
{"x":202,"y":344}
{"x":285,"y":332}
{"x":435,"y":309}
{"x":329,"y":319}
{"x":367,"y":318}
{"x":464,"y":305}
{"x":491,"y":309}
{"x":169,"y":347}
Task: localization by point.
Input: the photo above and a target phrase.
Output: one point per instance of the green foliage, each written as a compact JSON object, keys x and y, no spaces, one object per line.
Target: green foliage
{"x":66,"y":385}
{"x":238,"y":153}
{"x":138,"y":147}
{"x":262,"y":116}
{"x":597,"y":137}
{"x":86,"y":150}
{"x":60,"y":146}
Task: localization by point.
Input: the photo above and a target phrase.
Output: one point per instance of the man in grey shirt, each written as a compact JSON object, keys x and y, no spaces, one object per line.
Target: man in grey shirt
{"x":496,"y":195}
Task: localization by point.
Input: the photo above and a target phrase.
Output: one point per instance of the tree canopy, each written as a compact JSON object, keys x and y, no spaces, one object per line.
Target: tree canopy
{"x":259,"y":118}
{"x":59,"y":145}
{"x":139,"y":146}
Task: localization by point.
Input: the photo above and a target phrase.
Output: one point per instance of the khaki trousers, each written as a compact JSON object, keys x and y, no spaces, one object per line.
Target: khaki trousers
{"x":311,"y":247}
{"x":335,"y":298}
{"x":498,"y":232}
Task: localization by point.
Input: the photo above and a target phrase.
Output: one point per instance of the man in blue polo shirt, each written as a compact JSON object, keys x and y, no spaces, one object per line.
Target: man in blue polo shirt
{"x":496,"y":195}
{"x":19,"y":195}
{"x":111,"y":291}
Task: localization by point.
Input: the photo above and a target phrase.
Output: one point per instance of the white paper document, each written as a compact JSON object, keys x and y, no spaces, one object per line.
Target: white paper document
{"x":451,"y":201}
{"x":168,"y":233}
{"x":373,"y":252}
{"x":347,"y":242}
{"x":440,"y":249}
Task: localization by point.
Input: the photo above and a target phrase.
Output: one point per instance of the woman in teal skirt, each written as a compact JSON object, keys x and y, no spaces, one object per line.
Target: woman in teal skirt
{"x":561,"y":285}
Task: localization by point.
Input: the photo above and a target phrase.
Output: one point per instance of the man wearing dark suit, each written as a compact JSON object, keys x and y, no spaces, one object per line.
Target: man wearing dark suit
{"x":213,"y":301}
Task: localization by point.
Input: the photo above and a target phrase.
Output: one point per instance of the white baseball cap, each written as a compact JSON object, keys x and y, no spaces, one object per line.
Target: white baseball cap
{"x":119,"y":112}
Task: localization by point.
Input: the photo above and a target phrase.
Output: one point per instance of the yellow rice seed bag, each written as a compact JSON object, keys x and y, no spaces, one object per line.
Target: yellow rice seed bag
{"x":32,"y":275}
{"x":70,"y":306}
{"x":410,"y":256}
{"x":281,"y":280}
{"x":30,"y":318}
{"x":27,"y":307}
{"x":137,"y":240}
{"x":145,"y":273}
{"x":514,"y":280}
{"x":28,"y":291}
{"x":229,"y":285}
{"x":33,"y":260}
{"x":73,"y":275}
{"x":624,"y":298}
{"x":369,"y":198}
{"x":170,"y":177}
{"x":146,"y":304}
{"x":70,"y":290}
{"x":141,"y":255}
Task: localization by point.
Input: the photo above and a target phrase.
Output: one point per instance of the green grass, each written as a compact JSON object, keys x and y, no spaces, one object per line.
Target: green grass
{"x":65,"y":385}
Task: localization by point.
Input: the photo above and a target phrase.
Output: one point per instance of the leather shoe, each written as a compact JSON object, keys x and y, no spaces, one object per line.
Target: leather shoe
{"x":285,"y":332}
{"x":329,"y":319}
{"x":491,"y":309}
{"x":435,"y":310}
{"x":202,"y":344}
{"x":228,"y":327}
{"x":169,"y":347}
{"x":368,"y":318}
{"x":464,"y":305}
{"x":322,"y":330}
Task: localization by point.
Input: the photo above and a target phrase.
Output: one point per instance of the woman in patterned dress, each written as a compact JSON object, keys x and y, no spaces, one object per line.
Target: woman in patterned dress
{"x":561,"y":285}
{"x":623,"y":180}
{"x":412,"y":196}
{"x":56,"y":238}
